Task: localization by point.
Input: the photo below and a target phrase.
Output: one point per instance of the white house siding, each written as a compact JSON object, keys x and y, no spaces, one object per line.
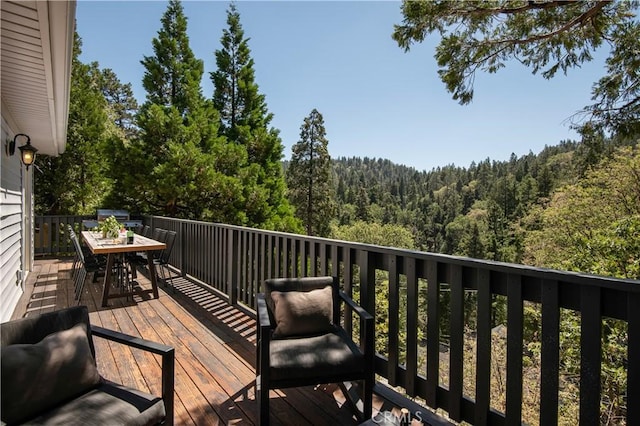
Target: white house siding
{"x":11,"y":228}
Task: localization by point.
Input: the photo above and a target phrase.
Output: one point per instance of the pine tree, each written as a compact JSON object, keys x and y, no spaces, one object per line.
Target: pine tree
{"x":245,"y":120}
{"x":310,"y":179}
{"x":173,"y":75}
{"x":180,"y":166}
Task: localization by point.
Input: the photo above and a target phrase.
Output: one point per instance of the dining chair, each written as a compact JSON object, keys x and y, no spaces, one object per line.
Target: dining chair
{"x":85,"y":265}
{"x":162,"y":261}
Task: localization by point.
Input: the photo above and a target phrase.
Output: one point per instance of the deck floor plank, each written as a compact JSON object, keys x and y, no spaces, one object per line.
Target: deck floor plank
{"x":196,"y":376}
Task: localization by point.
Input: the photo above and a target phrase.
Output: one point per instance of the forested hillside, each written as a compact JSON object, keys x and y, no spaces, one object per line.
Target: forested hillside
{"x":574,"y":207}
{"x":482,"y":211}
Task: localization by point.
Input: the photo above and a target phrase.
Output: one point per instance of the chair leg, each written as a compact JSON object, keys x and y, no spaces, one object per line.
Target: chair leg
{"x":162,"y":276}
{"x":257,"y":359}
{"x":168,"y":279}
{"x":368,"y":399}
{"x":262,"y":398}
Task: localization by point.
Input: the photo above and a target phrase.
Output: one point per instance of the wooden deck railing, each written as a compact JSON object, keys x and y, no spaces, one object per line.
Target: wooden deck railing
{"x":430,"y":305}
{"x":51,"y":236}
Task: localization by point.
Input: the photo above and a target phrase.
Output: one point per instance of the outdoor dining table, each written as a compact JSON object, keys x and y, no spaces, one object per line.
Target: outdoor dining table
{"x":112,"y":247}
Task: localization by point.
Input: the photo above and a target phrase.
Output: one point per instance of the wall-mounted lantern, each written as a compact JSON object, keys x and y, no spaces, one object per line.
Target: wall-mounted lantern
{"x":27,"y":151}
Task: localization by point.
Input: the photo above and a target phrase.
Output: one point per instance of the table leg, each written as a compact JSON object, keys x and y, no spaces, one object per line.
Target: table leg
{"x":152,"y":275}
{"x":107,"y":279}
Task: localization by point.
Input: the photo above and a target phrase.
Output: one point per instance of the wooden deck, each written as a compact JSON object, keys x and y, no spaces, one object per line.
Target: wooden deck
{"x":215,"y":351}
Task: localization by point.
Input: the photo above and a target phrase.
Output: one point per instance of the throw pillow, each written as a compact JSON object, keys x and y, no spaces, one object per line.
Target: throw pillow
{"x":302,"y":312}
{"x":38,"y":377}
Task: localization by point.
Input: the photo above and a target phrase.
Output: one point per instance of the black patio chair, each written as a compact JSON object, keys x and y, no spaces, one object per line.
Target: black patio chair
{"x":301,"y":342}
{"x":50,"y":376}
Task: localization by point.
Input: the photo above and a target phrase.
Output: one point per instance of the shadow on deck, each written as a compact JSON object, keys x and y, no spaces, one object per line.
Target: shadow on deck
{"x":215,"y":351}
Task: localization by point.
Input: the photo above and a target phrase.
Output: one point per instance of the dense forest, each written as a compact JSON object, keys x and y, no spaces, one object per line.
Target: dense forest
{"x":481,"y":211}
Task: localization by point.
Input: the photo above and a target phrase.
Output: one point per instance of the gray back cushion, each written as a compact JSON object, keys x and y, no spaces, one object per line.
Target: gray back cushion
{"x":303,"y":312}
{"x":33,"y":329}
{"x":292,"y":304}
{"x":37,"y":377}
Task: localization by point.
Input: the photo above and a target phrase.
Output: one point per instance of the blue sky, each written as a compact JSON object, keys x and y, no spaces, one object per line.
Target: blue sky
{"x":338,"y":57}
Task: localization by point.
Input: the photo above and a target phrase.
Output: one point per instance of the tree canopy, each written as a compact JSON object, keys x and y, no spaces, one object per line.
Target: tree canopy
{"x":594,"y":225}
{"x":547,"y":36}
{"x":173,"y":162}
{"x":77,"y":181}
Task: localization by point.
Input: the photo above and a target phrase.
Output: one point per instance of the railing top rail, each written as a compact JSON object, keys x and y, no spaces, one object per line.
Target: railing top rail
{"x":627,"y":285}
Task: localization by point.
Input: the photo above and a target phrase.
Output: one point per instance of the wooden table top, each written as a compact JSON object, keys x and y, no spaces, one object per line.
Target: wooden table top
{"x":99,"y":245}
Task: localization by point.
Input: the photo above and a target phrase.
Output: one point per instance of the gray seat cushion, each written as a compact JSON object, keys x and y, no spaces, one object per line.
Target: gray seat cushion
{"x":315,"y":356}
{"x":108,"y":404}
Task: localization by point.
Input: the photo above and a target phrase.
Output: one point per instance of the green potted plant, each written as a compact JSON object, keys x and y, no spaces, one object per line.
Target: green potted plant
{"x":110,"y":227}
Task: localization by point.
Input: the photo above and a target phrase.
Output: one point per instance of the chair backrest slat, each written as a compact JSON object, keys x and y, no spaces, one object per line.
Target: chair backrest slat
{"x":170,"y":240}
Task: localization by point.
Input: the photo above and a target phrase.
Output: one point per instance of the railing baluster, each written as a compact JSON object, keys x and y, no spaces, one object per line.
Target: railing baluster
{"x":412,"y":325}
{"x":313,"y":260}
{"x":483,"y":348}
{"x":550,"y":356}
{"x":246,"y":262}
{"x":514,"y":350}
{"x":265,"y":263}
{"x":348,"y":283}
{"x":324,"y":270}
{"x":211,"y":244}
{"x":456,"y":349}
{"x":296,"y":258}
{"x":271,"y":256}
{"x":49,"y":233}
{"x":335,"y":261}
{"x":223,"y":255}
{"x":590,"y":355}
{"x":367,"y":282}
{"x":254,"y":267}
{"x":278,"y":258}
{"x":287,"y":253}
{"x":433,"y":333}
{"x":232,"y":262}
{"x":304,"y":260}
{"x":394,"y":326}
{"x":633,"y":356}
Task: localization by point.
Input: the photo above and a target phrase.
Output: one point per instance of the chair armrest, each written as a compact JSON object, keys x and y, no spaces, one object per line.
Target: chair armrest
{"x":264,"y":339}
{"x":168,"y":361}
{"x":367,"y":327}
{"x":126,"y":339}
{"x":364,"y":315}
{"x":263,"y":312}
